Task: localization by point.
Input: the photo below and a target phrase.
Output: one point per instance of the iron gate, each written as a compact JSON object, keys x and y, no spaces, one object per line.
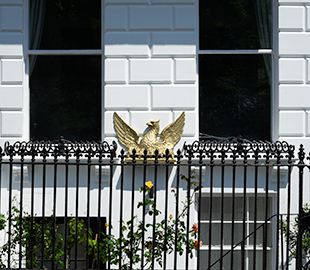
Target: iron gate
{"x":221,"y":205}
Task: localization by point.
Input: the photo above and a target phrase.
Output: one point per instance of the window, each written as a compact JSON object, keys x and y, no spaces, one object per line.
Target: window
{"x":232,"y":226}
{"x":65,"y":69}
{"x":235,"y":74}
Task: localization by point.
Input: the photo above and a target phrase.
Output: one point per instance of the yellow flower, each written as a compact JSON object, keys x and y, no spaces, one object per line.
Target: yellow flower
{"x":107,"y":224}
{"x":170,"y":216}
{"x":149,"y":184}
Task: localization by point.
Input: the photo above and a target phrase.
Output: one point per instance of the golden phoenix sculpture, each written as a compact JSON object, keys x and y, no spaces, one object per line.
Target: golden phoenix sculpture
{"x":129,"y":138}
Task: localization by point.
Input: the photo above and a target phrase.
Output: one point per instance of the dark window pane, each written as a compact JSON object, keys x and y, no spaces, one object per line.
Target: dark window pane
{"x":235,"y":24}
{"x":234,"y":95}
{"x":65,"y":24}
{"x":65,"y":97}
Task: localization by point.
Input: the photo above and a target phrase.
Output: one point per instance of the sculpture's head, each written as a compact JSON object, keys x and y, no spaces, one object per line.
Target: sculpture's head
{"x":153,"y":123}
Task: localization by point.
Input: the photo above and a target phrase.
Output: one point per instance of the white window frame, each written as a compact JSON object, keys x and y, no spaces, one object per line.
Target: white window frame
{"x":274,"y":117}
{"x":248,"y":247}
{"x":28,"y":52}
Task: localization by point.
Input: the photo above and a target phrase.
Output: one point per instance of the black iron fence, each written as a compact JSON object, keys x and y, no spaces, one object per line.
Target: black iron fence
{"x":220,"y":205}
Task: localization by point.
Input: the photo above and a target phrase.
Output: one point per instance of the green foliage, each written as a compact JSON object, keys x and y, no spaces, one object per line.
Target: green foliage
{"x":290,"y":229}
{"x":137,"y":238}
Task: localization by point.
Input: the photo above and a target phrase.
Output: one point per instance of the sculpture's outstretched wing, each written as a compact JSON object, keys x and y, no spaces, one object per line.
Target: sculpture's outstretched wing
{"x":127,"y":135}
{"x":173,"y":132}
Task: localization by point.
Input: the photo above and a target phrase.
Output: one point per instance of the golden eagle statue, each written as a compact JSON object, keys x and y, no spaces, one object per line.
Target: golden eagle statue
{"x":129,"y":138}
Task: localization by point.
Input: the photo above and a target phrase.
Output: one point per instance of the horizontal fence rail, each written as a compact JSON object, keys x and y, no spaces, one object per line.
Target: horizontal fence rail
{"x":220,"y":205}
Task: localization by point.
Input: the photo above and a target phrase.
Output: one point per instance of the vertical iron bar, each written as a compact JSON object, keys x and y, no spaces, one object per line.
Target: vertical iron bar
{"x":99,"y":207}
{"x":177,"y":212}
{"x":155,"y":208}
{"x":143,"y":209}
{"x":21,"y":210}
{"x":244,"y":212}
{"x":121,"y":210}
{"x":110,"y":206}
{"x":266,"y":213}
{"x":301,"y":165}
{"x":32,"y":210}
{"x":43,"y":209}
{"x":166,"y":212}
{"x":87,"y":261}
{"x":282,"y":242}
{"x":255,"y":210}
{"x":132,"y":208}
{"x":54,"y":210}
{"x":188,"y":211}
{"x":288,"y":213}
{"x":233,"y":210}
{"x":278,"y":212}
{"x":10,"y":210}
{"x":222,"y":206}
{"x":76,"y":207}
{"x":199,"y":206}
{"x":67,"y":252}
{"x":210,"y":208}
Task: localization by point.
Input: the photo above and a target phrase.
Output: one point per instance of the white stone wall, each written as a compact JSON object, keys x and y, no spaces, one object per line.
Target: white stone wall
{"x":11,"y":71}
{"x":294,"y":71}
{"x":151,"y":63}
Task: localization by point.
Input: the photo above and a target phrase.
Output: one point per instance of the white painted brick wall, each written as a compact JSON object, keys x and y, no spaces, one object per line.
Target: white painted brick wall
{"x":151,"y":63}
{"x":12,"y":72}
{"x":294,"y":74}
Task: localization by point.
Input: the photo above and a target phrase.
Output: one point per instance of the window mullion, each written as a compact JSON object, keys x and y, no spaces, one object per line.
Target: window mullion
{"x":258,"y":51}
{"x":65,"y":52}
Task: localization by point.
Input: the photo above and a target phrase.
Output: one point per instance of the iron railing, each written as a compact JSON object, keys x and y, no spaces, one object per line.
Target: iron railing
{"x":80,"y":205}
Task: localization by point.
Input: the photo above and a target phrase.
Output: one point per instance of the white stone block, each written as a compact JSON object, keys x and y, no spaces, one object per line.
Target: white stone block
{"x":127,"y":44}
{"x":174,"y":44}
{"x":150,"y":70}
{"x":11,"y":71}
{"x":294,"y":96}
{"x":11,"y":97}
{"x":11,"y":44}
{"x":191,"y":122}
{"x":11,"y":2}
{"x":11,"y":124}
{"x":291,"y":123}
{"x":174,"y":97}
{"x":127,"y":97}
{"x":150,"y":18}
{"x":185,"y":70}
{"x":308,"y":18}
{"x":291,"y":70}
{"x":109,"y":122}
{"x":127,"y":2}
{"x":140,"y":119}
{"x":116,"y":70}
{"x":291,"y":18}
{"x":11,"y":18}
{"x":173,"y":1}
{"x":116,"y":18}
{"x":294,"y":43}
{"x":308,"y":123}
{"x":294,"y":1}
{"x":185,"y":17}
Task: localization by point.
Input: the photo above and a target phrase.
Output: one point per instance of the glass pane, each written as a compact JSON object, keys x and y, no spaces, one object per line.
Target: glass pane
{"x":261,"y":205}
{"x":65,"y":97}
{"x":234,"y":96}
{"x":259,"y":260}
{"x":260,"y":234}
{"x":235,"y":24}
{"x":215,"y":259}
{"x":216,"y":208}
{"x":216,"y":233}
{"x":65,"y":24}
